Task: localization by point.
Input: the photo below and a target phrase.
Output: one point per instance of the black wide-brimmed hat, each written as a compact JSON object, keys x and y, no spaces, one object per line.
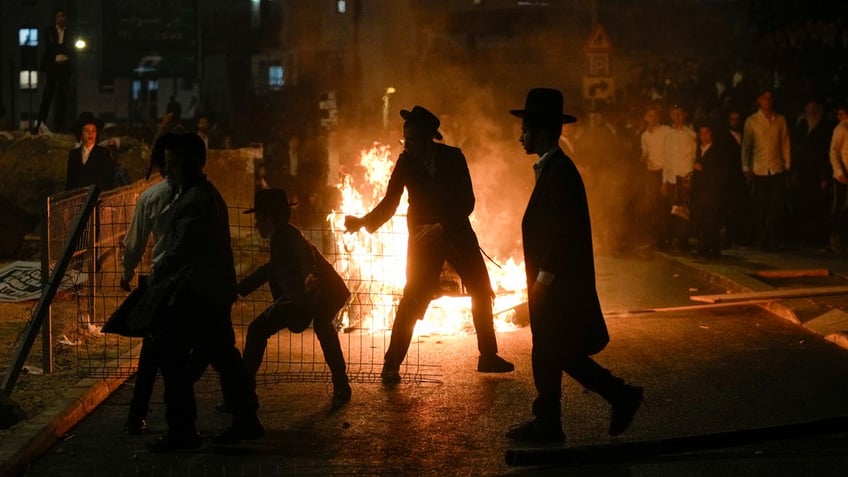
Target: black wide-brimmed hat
{"x":421,"y":118}
{"x":87,"y":117}
{"x":544,"y":103}
{"x":271,"y":202}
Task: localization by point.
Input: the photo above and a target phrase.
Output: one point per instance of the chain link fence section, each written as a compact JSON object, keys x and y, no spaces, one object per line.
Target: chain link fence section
{"x":93,"y":292}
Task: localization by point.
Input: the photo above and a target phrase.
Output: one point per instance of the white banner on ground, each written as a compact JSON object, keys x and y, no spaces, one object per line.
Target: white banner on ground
{"x":21,"y":281}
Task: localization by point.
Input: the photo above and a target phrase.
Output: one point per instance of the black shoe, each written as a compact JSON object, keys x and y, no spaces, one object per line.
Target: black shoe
{"x":341,"y":392}
{"x":537,"y":430}
{"x":172,"y":443}
{"x":223,"y":408}
{"x":624,"y":409}
{"x":240,"y":432}
{"x":492,"y":363}
{"x":135,"y":426}
{"x":390,"y":374}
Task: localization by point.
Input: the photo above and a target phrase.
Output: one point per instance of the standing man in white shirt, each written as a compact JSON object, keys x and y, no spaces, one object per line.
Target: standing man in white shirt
{"x":152,"y":216}
{"x":839,"y":162}
{"x":655,"y":156}
{"x":765,"y":160}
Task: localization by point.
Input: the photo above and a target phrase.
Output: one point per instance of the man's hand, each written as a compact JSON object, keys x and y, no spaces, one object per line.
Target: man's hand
{"x":352,"y":223}
{"x":311,"y":283}
{"x":125,"y":285}
{"x":538,"y":292}
{"x":241,"y":289}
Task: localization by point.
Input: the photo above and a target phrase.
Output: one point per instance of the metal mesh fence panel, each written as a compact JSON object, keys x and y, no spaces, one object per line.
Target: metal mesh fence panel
{"x":373,"y":269}
{"x":92,"y":290}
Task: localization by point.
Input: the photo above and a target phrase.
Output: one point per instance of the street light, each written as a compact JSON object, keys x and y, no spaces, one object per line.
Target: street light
{"x":389,"y":91}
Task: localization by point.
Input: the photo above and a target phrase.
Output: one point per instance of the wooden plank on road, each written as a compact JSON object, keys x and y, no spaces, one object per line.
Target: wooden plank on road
{"x":811,"y":272}
{"x":771,"y":294}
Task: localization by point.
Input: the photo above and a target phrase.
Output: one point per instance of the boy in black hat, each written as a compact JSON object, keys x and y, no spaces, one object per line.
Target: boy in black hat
{"x":440,"y":200}
{"x":89,"y":164}
{"x":304,"y":285}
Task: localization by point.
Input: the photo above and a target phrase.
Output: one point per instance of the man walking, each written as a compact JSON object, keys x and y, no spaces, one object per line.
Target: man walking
{"x":565,"y":315}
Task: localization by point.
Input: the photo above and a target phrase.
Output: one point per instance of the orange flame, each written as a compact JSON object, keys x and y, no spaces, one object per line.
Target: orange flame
{"x":374,"y":265}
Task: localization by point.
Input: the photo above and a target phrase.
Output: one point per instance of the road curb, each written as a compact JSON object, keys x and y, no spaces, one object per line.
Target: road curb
{"x":744,"y":284}
{"x":30,"y":439}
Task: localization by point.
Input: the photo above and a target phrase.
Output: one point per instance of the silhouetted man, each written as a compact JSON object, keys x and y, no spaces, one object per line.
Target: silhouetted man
{"x":56,"y":63}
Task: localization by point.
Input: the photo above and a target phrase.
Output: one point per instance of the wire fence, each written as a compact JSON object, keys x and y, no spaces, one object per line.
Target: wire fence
{"x":373,"y":268}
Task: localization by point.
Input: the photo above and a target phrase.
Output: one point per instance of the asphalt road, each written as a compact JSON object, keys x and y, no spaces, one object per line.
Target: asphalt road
{"x":747,"y":392}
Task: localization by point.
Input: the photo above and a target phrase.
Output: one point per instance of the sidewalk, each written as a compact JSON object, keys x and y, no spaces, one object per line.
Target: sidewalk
{"x":736,"y":272}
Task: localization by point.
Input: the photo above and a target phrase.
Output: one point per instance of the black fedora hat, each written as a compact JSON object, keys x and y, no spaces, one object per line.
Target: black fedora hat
{"x":87,"y":117}
{"x":271,"y":202}
{"x":544,"y":103}
{"x":422,"y":118}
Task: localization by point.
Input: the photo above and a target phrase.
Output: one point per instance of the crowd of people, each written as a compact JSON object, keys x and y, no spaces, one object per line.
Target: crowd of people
{"x":750,"y":159}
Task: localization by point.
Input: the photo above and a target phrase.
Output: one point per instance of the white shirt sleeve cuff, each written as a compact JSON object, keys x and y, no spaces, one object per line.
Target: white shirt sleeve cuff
{"x":545,"y":278}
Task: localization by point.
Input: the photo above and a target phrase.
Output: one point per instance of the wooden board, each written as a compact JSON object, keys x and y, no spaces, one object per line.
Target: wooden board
{"x":773,"y":294}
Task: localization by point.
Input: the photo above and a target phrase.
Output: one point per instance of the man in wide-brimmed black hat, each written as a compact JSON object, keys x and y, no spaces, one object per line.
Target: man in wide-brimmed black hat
{"x":565,"y":314}
{"x":440,"y":200}
{"x":89,"y":164}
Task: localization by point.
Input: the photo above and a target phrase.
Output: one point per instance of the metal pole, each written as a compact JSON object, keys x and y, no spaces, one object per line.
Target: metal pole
{"x":594,"y":8}
{"x":47,"y":326}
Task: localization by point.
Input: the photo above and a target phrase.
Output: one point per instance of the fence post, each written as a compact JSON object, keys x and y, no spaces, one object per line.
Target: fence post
{"x":47,"y":327}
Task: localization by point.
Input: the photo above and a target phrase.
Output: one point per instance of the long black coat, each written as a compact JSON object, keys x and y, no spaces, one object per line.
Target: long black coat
{"x":199,"y":256}
{"x":712,"y":185}
{"x":557,"y":238}
{"x":98,"y":170}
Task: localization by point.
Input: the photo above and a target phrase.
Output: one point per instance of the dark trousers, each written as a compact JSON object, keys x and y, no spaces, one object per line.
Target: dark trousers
{"x":284,"y":315}
{"x":839,"y":207}
{"x":547,"y":376}
{"x":423,"y":268}
{"x":195,"y":330}
{"x":657,"y":208}
{"x":709,"y":226}
{"x":57,"y":85}
{"x":769,"y":200}
{"x":145,"y":378}
{"x":680,"y":226}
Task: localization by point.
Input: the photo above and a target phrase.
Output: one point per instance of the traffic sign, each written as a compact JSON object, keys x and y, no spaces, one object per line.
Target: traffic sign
{"x":598,"y":87}
{"x":598,"y":41}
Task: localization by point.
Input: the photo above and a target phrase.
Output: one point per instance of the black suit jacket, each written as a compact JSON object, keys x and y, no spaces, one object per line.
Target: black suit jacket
{"x":52,"y":47}
{"x":557,"y":238}
{"x":293,"y":257}
{"x":99,"y":170}
{"x":446,"y":198}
